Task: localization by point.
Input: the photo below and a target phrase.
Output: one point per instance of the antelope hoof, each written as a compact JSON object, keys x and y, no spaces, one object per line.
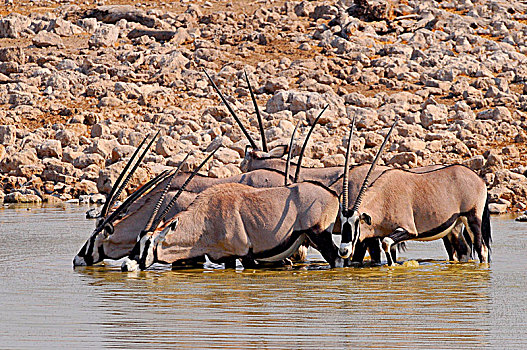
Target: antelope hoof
{"x":130,"y":265}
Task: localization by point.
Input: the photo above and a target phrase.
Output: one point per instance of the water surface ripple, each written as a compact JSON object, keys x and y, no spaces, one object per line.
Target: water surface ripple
{"x":438,"y":305}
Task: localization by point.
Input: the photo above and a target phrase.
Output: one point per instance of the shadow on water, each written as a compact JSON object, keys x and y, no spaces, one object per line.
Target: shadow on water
{"x":430,"y":306}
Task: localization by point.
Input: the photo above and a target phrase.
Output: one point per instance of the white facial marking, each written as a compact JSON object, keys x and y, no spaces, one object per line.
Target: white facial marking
{"x":149,"y":260}
{"x":345,"y":250}
{"x":78,"y":261}
{"x":129,"y":265}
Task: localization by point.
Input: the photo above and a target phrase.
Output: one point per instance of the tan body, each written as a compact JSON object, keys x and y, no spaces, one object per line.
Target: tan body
{"x":404,"y":205}
{"x":455,"y":245}
{"x":127,"y":226}
{"x":235,"y":220}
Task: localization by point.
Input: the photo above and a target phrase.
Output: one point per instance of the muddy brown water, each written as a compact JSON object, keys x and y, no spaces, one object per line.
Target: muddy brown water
{"x":44,"y":303}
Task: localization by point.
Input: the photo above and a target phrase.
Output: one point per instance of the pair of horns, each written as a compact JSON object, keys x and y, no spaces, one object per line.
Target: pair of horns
{"x":125,"y":175}
{"x":231,"y":111}
{"x":154,"y":222}
{"x":364,"y":186}
{"x":138,"y":193}
{"x":302,"y":150}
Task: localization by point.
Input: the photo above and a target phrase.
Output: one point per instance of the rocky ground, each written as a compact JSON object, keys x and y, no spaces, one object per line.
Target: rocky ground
{"x":80,"y":86}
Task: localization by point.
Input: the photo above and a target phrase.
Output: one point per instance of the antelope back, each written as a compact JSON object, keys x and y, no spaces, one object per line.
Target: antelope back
{"x":255,"y":159}
{"x":230,"y":219}
{"x":357,"y":174}
{"x":423,"y":201}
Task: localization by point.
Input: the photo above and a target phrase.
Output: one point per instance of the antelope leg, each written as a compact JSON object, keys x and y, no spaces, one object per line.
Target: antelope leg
{"x":449,"y":248}
{"x":230,"y":263}
{"x":249,"y":263}
{"x":374,"y":248}
{"x":389,"y":244}
{"x":192,"y":262}
{"x":323,"y":242}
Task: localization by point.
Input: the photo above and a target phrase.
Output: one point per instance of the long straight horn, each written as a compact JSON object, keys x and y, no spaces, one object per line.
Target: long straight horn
{"x":365,"y":183}
{"x":131,"y":173}
{"x":258,"y":116}
{"x":165,"y":191}
{"x":173,"y":200}
{"x":345,"y":178}
{"x":133,"y":197}
{"x":120,"y":185}
{"x":288,"y":161}
{"x":251,"y":141}
{"x":301,"y":156}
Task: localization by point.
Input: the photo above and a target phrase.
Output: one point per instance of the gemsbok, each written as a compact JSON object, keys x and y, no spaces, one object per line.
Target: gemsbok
{"x":457,"y":247}
{"x":231,"y":221}
{"x":400,"y":205}
{"x":116,"y":233}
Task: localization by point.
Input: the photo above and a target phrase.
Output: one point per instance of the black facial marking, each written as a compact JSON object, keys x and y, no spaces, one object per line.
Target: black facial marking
{"x":346,"y":233}
{"x":142,"y":260}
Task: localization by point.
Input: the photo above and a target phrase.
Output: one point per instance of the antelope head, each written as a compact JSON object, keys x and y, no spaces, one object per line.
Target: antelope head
{"x":256,"y":159}
{"x":93,"y":250}
{"x":143,"y":254}
{"x":351,"y":219}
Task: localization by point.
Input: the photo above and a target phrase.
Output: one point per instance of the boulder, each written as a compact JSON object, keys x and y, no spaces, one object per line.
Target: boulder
{"x":7,"y":135}
{"x":85,"y":187}
{"x":12,"y":54}
{"x":475,"y":163}
{"x":434,"y":114}
{"x":403,"y":158}
{"x":372,"y":10}
{"x":67,"y":137}
{"x":63,"y":27}
{"x":58,"y":171}
{"x":121,"y":152}
{"x":227,"y":155}
{"x":84,"y":160}
{"x":105,"y":35}
{"x":13,"y":26}
{"x":18,"y":197}
{"x":12,"y":162}
{"x":411,"y":145}
{"x":115,"y":13}
{"x":166,"y":146}
{"x":103,"y":147}
{"x":334,"y":160}
{"x":47,"y":39}
{"x":50,"y":148}
{"x":275,"y":84}
{"x":498,"y":208}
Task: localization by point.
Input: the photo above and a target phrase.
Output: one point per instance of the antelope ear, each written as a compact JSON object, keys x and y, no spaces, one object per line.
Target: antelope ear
{"x":248,"y":149}
{"x":174,"y":224}
{"x":279,"y":151}
{"x":107,"y":231}
{"x":366,"y":218}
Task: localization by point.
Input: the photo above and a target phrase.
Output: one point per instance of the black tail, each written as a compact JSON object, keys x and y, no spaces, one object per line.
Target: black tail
{"x":468,"y":240}
{"x":485,"y":226}
{"x":401,"y":247}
